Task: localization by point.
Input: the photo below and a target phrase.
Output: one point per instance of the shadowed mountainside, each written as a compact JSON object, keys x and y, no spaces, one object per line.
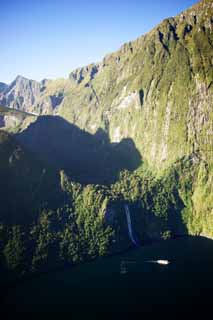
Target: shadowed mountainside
{"x":26,"y":184}
{"x":87,"y":158}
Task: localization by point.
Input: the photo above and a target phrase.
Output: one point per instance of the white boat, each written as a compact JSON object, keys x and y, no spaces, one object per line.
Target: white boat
{"x":164,"y":262}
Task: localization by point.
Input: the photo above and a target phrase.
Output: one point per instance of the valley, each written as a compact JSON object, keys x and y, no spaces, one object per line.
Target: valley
{"x":119,"y":153}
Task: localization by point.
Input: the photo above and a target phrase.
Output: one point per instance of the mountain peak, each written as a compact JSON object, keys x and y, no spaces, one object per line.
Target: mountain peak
{"x":79,"y":74}
{"x":200,"y":10}
{"x":21,"y":78}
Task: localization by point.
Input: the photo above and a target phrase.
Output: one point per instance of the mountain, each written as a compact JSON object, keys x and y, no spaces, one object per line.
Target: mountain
{"x":133,"y":130}
{"x":3,"y":86}
{"x":156,"y":90}
{"x":159,"y":85}
{"x":11,"y":119}
{"x":85,"y":157}
{"x":31,"y":96}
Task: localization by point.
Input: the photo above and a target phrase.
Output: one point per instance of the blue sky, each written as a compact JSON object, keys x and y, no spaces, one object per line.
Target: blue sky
{"x":49,"y":38}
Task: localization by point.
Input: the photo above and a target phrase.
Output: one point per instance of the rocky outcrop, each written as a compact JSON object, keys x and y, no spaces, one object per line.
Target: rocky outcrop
{"x":3,"y":87}
{"x":29,"y":96}
{"x":81,"y":74}
{"x":21,"y":94}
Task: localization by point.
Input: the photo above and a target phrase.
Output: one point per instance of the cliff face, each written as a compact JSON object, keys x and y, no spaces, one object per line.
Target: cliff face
{"x":32,"y":96}
{"x":156,"y":90}
{"x":3,"y":86}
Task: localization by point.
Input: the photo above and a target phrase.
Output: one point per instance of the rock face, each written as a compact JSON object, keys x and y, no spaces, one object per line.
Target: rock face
{"x":81,"y":74}
{"x":31,"y":96}
{"x":156,"y":90}
{"x":3,"y":86}
{"x":20,"y":94}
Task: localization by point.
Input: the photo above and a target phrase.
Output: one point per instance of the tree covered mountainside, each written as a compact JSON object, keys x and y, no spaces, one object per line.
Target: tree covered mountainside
{"x":136,"y":128}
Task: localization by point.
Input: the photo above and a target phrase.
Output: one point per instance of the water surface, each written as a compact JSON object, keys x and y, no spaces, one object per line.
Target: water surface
{"x":99,"y":286}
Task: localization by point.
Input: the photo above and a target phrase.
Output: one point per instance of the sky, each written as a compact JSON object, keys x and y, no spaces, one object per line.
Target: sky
{"x":50,"y":38}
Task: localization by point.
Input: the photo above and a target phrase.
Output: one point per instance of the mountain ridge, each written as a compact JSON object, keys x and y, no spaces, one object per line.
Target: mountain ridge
{"x":186,"y":14}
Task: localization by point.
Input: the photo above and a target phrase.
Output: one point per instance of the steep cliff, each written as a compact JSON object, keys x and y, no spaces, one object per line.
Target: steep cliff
{"x":32,"y":96}
{"x":156,"y":90}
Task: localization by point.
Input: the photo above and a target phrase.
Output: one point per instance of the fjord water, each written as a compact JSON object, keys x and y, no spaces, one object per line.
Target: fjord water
{"x":99,"y":286}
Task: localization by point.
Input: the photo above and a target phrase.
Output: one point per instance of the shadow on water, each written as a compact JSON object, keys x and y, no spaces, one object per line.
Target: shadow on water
{"x":99,"y":285}
{"x":87,"y":158}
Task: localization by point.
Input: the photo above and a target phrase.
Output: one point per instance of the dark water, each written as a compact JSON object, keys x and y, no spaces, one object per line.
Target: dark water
{"x":98,"y":287}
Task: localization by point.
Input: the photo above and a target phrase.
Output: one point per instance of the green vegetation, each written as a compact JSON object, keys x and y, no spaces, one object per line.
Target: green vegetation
{"x":138,"y":132}
{"x":89,"y":221}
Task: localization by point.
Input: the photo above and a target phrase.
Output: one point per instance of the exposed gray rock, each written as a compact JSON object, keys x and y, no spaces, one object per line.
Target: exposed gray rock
{"x":30,"y":96}
{"x":80,"y":74}
{"x":3,"y":86}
